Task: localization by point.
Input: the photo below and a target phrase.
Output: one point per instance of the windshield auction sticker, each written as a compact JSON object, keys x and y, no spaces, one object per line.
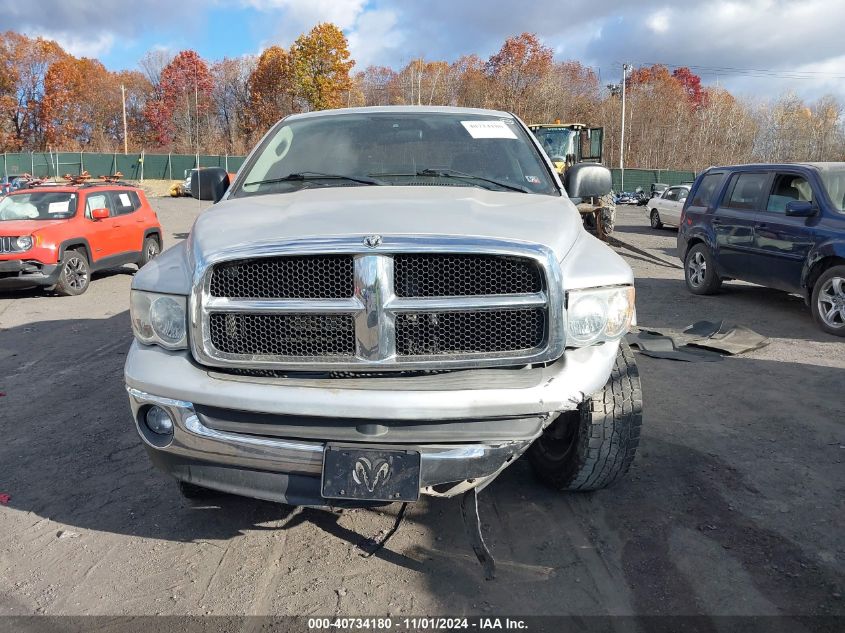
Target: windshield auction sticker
{"x":488,"y":129}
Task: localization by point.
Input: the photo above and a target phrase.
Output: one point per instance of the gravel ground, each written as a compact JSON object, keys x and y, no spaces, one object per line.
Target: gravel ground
{"x":733,"y":506}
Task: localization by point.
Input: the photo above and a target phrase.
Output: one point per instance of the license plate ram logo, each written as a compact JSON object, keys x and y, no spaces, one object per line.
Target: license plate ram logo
{"x":370,"y":475}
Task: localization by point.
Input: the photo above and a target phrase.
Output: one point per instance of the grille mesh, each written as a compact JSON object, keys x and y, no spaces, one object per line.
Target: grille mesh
{"x":437,"y":333}
{"x":464,"y":275}
{"x":295,"y":335}
{"x":320,"y":277}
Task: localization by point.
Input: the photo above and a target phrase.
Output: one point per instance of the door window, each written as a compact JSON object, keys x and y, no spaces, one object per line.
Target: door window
{"x":97,"y":201}
{"x":745,"y":190}
{"x":706,"y":189}
{"x":683,"y":194}
{"x":785,"y":189}
{"x":671,"y":194}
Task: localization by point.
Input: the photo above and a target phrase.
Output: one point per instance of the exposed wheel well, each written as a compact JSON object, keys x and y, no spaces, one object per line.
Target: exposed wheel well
{"x":156,"y":234}
{"x":692,"y":242}
{"x":818,"y":268}
{"x":74,"y":246}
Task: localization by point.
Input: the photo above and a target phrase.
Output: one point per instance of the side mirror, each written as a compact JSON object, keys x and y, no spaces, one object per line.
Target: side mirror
{"x":209,"y":183}
{"x":588,"y":180}
{"x":800,"y":208}
{"x":100,"y":214}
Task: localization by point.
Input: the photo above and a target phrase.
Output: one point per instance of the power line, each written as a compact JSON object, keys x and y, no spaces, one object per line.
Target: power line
{"x":748,"y":72}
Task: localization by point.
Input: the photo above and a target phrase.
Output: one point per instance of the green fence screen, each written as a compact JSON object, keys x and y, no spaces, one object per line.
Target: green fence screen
{"x":132,"y":166}
{"x":174,"y":166}
{"x":645,"y":177}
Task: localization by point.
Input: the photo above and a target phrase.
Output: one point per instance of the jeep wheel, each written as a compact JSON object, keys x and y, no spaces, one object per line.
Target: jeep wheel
{"x":75,"y":275}
{"x":608,"y":214}
{"x":593,"y":446}
{"x":700,"y":271}
{"x":655,"y":220}
{"x":828,"y":301}
{"x":194,"y":492}
{"x":152,"y":249}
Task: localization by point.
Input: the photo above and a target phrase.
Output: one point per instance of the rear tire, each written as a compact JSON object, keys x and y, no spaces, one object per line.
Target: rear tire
{"x":75,"y":275}
{"x":152,"y":249}
{"x":655,"y":220}
{"x":592,"y":447}
{"x":700,"y":271}
{"x":828,"y":301}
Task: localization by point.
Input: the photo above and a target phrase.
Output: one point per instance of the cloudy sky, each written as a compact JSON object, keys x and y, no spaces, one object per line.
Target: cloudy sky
{"x":758,"y":48}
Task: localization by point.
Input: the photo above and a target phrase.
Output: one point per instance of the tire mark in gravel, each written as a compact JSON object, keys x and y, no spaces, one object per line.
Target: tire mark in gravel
{"x":605,"y":581}
{"x":266,"y":583}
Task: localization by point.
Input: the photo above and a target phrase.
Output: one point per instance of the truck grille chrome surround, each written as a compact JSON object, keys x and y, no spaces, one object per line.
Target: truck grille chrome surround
{"x":502,"y":304}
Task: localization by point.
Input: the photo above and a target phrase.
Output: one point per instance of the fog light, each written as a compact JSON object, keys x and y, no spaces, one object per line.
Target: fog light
{"x":158,"y":421}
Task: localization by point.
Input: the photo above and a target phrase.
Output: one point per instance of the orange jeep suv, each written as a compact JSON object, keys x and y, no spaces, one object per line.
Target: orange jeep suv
{"x":56,"y":236}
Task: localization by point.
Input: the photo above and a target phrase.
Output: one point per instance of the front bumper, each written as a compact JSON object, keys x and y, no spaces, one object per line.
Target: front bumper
{"x":19,"y":273}
{"x":265,"y":437}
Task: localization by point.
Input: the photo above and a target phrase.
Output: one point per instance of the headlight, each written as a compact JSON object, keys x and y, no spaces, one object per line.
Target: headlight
{"x":159,"y":319}
{"x":24,"y":242}
{"x":598,"y":314}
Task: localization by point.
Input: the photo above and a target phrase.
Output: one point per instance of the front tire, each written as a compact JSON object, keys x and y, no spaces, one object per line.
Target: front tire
{"x":655,"y":220}
{"x":700,"y":271}
{"x":75,"y":275}
{"x":828,"y":301}
{"x":592,"y":447}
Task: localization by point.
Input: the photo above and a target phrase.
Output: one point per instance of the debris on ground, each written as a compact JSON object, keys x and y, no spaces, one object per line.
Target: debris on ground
{"x":4,"y":499}
{"x":67,"y":534}
{"x":703,"y":341}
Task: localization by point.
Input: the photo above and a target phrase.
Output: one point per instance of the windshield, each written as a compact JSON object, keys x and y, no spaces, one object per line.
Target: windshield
{"x":556,"y":141}
{"x":833,"y":179}
{"x":386,"y":148}
{"x":38,"y":205}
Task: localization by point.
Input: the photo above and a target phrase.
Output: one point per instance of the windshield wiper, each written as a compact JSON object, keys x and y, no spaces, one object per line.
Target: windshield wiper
{"x":452,"y":173}
{"x":312,"y":175}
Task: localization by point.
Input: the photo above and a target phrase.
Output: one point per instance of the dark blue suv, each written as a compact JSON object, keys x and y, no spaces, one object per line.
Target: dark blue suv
{"x":781,"y":226}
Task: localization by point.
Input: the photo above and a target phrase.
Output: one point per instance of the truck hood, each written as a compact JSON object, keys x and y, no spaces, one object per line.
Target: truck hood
{"x":388,"y":210}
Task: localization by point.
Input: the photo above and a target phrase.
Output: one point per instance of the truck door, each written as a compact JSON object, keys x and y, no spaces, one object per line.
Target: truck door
{"x":590,"y":144}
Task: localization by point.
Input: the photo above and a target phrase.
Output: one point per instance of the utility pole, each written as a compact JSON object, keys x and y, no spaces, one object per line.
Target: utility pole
{"x":125,"y":137}
{"x":625,"y":68}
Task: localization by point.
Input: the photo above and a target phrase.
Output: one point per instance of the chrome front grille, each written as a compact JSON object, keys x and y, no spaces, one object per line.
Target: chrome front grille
{"x":315,"y":277}
{"x":284,"y":335}
{"x":406,"y":304}
{"x":453,"y":275}
{"x":436,"y":333}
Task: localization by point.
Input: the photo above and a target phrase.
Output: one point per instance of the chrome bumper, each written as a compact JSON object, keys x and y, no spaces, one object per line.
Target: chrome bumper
{"x":463,"y":465}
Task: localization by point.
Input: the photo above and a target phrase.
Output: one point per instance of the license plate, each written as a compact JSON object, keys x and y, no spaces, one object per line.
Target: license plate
{"x":370,"y":474}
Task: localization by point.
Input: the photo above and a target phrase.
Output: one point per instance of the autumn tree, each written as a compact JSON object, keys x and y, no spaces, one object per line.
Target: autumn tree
{"x":517,"y":70}
{"x":272,"y":90}
{"x":321,"y":66}
{"x":23,"y":67}
{"x":378,"y":85}
{"x":231,"y":99}
{"x":179,"y":108}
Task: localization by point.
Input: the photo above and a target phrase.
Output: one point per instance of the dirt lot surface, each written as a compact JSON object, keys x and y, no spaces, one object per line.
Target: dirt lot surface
{"x":733,"y":506}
